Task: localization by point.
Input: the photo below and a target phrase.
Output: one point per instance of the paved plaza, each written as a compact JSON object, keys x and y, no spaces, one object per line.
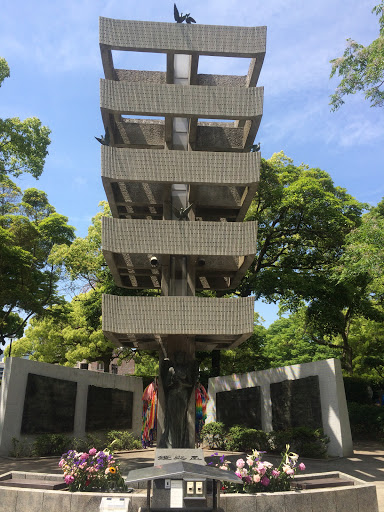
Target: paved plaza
{"x":367,"y":463}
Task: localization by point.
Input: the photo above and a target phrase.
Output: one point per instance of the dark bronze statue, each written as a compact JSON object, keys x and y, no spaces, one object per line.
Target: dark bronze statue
{"x":179,"y":378}
{"x":105,"y":141}
{"x":179,"y":18}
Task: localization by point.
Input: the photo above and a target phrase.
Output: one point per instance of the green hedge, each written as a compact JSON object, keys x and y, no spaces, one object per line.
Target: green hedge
{"x":56,"y":444}
{"x":241,"y":439}
{"x":367,"y":421}
{"x":302,"y":440}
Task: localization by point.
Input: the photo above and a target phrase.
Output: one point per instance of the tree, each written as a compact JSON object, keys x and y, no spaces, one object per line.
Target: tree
{"x":80,"y":326}
{"x":288,"y":342}
{"x":367,"y":340}
{"x":29,"y":229}
{"x":361,"y":68}
{"x":303,"y":221}
{"x":64,"y":336}
{"x":23,"y":144}
{"x":352,"y":291}
{"x":29,"y":226}
{"x":364,"y":254}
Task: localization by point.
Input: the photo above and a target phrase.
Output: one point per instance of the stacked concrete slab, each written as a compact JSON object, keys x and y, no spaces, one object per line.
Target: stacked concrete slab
{"x":189,"y":159}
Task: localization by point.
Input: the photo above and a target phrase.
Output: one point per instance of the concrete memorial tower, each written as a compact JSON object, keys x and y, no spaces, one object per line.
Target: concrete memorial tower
{"x":179,"y":188}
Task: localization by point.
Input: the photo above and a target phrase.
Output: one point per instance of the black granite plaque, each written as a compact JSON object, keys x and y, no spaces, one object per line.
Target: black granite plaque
{"x":109,"y":408}
{"x":296,"y":403}
{"x":239,"y":407}
{"x":49,"y":405}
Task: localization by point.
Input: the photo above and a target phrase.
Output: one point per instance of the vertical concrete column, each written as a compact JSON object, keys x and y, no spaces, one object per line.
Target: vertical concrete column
{"x":80,"y":407}
{"x":179,"y":277}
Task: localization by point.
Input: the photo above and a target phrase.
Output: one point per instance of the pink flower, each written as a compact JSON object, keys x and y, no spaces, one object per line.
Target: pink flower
{"x":275,"y":473}
{"x":260,"y":469}
{"x":238,"y":474}
{"x":265,"y":481}
{"x":92,"y":451}
{"x":256,"y":478}
{"x":301,"y":466}
{"x":61,"y":463}
{"x":69,"y":479}
{"x":224,"y":468}
{"x":84,"y":456}
{"x":289,"y":471}
{"x":250,"y":462}
{"x":240,"y":463}
{"x":248,"y":479}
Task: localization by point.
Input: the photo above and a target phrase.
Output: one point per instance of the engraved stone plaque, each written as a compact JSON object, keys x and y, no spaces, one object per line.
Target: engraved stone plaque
{"x":296,"y":403}
{"x":239,"y":407}
{"x":109,"y":408}
{"x":49,"y":405}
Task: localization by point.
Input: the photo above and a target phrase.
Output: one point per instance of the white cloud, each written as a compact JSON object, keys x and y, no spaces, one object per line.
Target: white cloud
{"x":357,"y":131}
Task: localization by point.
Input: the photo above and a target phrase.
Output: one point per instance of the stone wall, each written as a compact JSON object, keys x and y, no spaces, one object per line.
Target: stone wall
{"x":41,"y":398}
{"x":309,"y":394}
{"x":359,"y":497}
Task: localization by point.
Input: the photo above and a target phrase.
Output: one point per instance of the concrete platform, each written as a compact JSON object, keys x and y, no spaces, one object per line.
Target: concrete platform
{"x":366,"y":464}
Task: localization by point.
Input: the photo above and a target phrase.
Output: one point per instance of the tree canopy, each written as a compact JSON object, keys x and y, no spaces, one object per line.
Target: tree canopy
{"x":23,"y":144}
{"x":361,"y":68}
{"x":29,"y":228}
{"x":303,"y":221}
{"x":78,"y":325}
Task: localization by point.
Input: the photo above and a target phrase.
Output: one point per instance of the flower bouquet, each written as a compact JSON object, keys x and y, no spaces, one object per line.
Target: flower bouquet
{"x":92,"y":471}
{"x":262,"y":476}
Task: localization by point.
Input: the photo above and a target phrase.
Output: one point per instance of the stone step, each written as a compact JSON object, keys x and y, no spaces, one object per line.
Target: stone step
{"x":33,"y":484}
{"x":319,"y":483}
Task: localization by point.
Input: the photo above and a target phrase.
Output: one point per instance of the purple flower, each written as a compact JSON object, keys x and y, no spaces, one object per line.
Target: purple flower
{"x":265,"y":481}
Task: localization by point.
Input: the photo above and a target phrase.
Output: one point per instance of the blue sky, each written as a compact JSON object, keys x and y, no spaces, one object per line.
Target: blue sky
{"x":52,"y":49}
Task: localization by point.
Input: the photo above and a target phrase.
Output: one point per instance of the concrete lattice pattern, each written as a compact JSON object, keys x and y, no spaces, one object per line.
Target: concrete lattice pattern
{"x":202,"y":142}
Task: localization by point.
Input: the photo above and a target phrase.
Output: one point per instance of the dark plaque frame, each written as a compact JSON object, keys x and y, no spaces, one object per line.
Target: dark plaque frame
{"x":109,"y":408}
{"x":49,"y":405}
{"x":239,"y":407}
{"x":296,"y":403}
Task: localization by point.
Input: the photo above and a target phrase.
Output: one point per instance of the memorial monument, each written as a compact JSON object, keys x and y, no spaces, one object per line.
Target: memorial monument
{"x":179,"y":188}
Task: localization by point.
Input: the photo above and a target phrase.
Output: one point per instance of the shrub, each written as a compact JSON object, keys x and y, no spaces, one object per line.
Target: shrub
{"x":302,"y":440}
{"x":20,"y":448}
{"x":122,"y":440}
{"x":243,"y":439}
{"x":367,"y":421}
{"x":214,"y":435}
{"x":51,"y":444}
{"x":85,"y":444}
